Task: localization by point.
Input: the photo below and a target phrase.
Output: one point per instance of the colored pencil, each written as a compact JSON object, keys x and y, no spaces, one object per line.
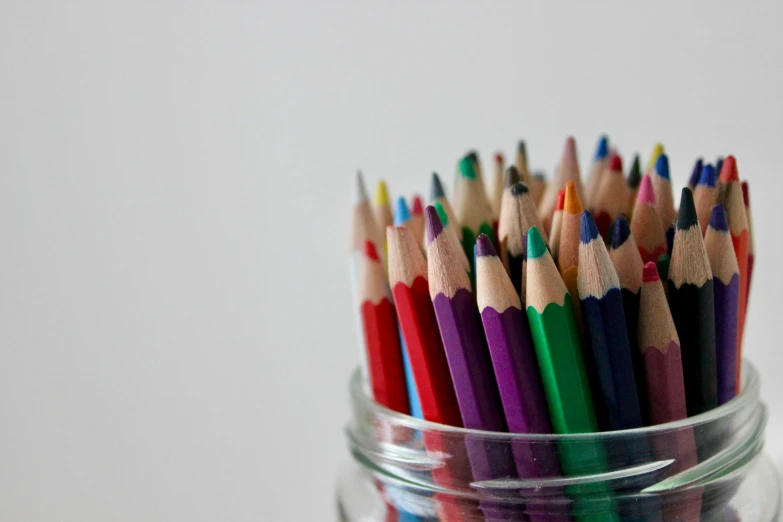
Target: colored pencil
{"x":719,"y":167}
{"x":597,"y":169}
{"x":692,"y":304}
{"x":557,"y":223}
{"x":495,"y":190}
{"x":512,"y":227}
{"x":537,"y":186}
{"x":628,"y":264}
{"x":511,"y":177}
{"x":461,"y":332}
{"x":663,"y":268}
{"x":663,"y":362}
{"x":416,"y":223}
{"x":473,"y":209}
{"x":632,"y":183}
{"x":381,"y":334}
{"x":751,"y":242}
{"x":438,"y":195}
{"x":514,"y":360}
{"x":521,"y":162}
{"x":568,"y":255}
{"x":567,"y":170}
{"x":610,"y":196}
{"x":705,"y":195}
{"x":604,"y":316}
{"x":664,"y":198}
{"x":696,"y":174}
{"x":560,"y":360}
{"x":363,"y":228}
{"x":657,"y":151}
{"x":725,"y":277}
{"x":402,"y":217}
{"x":646,"y":225}
{"x":731,"y":197}
{"x":384,"y":216}
{"x":452,"y":235}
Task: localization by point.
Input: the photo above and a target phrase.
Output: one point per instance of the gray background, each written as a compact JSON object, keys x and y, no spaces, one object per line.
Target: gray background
{"x":175,"y":182}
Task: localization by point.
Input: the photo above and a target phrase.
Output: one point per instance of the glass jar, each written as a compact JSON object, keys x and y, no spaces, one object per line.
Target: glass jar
{"x":710,"y":467}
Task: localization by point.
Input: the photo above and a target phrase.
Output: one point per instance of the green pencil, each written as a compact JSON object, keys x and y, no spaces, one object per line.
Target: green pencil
{"x":474,"y":211}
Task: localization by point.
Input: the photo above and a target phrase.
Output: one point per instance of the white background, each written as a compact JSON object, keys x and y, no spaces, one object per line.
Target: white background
{"x":175,"y":182}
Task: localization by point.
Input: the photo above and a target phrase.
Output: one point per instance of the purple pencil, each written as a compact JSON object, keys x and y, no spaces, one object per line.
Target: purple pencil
{"x":725,"y":278}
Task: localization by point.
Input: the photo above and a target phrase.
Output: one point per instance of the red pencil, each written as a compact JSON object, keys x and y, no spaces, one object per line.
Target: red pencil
{"x":751,"y":243}
{"x":646,"y":225}
{"x":381,"y":334}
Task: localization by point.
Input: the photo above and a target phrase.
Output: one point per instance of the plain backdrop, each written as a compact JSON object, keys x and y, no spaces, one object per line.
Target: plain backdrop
{"x":175,"y":179}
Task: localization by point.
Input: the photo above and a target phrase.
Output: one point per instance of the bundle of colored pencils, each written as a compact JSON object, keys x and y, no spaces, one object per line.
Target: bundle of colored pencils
{"x":564,"y":307}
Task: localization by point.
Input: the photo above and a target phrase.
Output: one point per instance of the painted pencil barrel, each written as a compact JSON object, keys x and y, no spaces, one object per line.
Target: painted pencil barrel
{"x":726,"y":335}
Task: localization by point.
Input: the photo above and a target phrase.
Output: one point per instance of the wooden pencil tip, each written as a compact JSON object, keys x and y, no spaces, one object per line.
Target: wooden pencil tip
{"x":718,"y":219}
{"x":646,"y":192}
{"x":517,"y":189}
{"x":418,"y":206}
{"x":729,"y":170}
{"x":635,"y":174}
{"x":467,"y":167}
{"x":444,"y":217}
{"x":401,"y":213}
{"x":436,"y":188}
{"x":696,"y":172}
{"x":650,"y":273}
{"x":540,"y":175}
{"x":621,"y":232}
{"x":657,"y":151}
{"x":511,"y":177}
{"x":433,"y":223}
{"x":522,"y":147}
{"x":572,"y":203}
{"x":381,"y":194}
{"x":560,"y":202}
{"x":361,"y":188}
{"x":535,"y":244}
{"x":602,"y":149}
{"x":569,"y":153}
{"x":473,"y":155}
{"x":662,"y":167}
{"x":707,"y":177}
{"x":370,"y":251}
{"x":484,"y":246}
{"x":499,"y":158}
{"x":688,"y":216}
{"x":745,"y":193}
{"x":588,"y":230}
{"x":616,"y":163}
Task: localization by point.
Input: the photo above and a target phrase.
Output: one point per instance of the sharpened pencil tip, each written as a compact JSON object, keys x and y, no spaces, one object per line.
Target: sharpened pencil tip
{"x":539,"y":175}
{"x":499,"y":158}
{"x":370,"y":251}
{"x":696,"y":172}
{"x":473,"y":155}
{"x":433,"y":223}
{"x":718,"y":166}
{"x":560,"y":202}
{"x":381,"y":194}
{"x":657,"y":151}
{"x":588,"y":230}
{"x":646,"y":192}
{"x":484,"y":246}
{"x":688,"y":216}
{"x":569,"y":152}
{"x":401,"y":213}
{"x":522,"y":147}
{"x":718,"y":219}
{"x":662,"y":166}
{"x":729,"y":171}
{"x":707,"y":177}
{"x":519,"y":188}
{"x":436,"y":188}
{"x":745,"y":193}
{"x":635,"y":174}
{"x":621,"y":233}
{"x":467,"y":167}
{"x":616,"y":163}
{"x":650,"y":273}
{"x":444,"y":218}
{"x":572,"y":204}
{"x":418,"y":206}
{"x":361,"y":188}
{"x":602,"y":149}
{"x":511,"y":177}
{"x":535,"y":244}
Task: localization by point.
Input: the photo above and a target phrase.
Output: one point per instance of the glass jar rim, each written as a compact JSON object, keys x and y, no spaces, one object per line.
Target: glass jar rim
{"x":749,"y":394}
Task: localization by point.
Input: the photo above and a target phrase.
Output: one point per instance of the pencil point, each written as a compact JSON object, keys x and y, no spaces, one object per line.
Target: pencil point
{"x":473,"y":155}
{"x":444,"y":218}
{"x":646,"y":192}
{"x":657,"y":151}
{"x":662,"y":166}
{"x":696,"y":172}
{"x":729,"y":171}
{"x":707,"y":177}
{"x":745,"y":193}
{"x":484,"y":246}
{"x":436,"y":188}
{"x":560,"y":202}
{"x":522,"y":147}
{"x":650,"y":273}
{"x":517,"y":189}
{"x":361,"y":188}
{"x":616,"y":163}
{"x":688,"y":216}
{"x":418,"y":206}
{"x":539,"y":175}
{"x":602,"y":149}
{"x":718,"y":220}
{"x":499,"y":158}
{"x":535,"y":244}
{"x":588,"y":229}
{"x":718,"y":166}
{"x":433,"y":223}
{"x":381,"y":194}
{"x":370,"y":251}
{"x":511,"y":177}
{"x":467,"y":167}
{"x":635,"y":174}
{"x":569,"y":153}
{"x":572,"y":204}
{"x":622,"y":231}
{"x":401,"y":213}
